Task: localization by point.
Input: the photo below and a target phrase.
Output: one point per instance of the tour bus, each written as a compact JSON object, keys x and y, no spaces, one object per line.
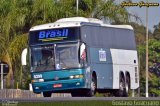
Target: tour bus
{"x":82,"y":56}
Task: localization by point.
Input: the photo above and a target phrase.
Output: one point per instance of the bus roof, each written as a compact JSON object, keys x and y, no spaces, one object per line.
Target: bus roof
{"x":77,"y":21}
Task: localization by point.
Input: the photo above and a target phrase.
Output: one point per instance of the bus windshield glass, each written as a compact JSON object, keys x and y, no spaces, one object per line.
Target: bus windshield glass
{"x":54,"y":57}
{"x":54,"y":35}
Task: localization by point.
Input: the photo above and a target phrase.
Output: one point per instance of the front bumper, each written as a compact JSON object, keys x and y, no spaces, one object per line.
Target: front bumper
{"x":70,"y":84}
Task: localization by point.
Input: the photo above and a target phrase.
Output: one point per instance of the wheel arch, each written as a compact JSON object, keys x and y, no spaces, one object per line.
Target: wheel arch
{"x":121,"y":74}
{"x":95,"y":76}
{"x":127,"y":75}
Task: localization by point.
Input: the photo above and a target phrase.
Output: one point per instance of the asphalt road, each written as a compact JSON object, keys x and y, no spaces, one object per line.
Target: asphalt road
{"x":59,"y":99}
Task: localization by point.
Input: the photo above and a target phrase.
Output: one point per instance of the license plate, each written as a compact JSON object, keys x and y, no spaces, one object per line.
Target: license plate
{"x":57,"y":85}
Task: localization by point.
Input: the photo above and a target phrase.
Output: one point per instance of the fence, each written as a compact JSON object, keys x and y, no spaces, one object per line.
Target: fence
{"x":17,"y":93}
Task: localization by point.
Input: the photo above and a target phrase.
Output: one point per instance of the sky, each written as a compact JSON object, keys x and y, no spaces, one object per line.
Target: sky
{"x":153,"y":12}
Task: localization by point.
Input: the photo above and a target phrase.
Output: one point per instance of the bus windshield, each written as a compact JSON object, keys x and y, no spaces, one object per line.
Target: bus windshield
{"x":54,"y":57}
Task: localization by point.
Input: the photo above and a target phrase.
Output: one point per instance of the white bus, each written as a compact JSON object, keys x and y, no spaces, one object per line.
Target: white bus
{"x":81,"y":56}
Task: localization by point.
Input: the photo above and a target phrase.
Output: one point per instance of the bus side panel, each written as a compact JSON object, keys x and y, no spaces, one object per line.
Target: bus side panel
{"x":125,"y":61}
{"x":106,"y":37}
{"x":116,"y":39}
{"x":103,"y":67}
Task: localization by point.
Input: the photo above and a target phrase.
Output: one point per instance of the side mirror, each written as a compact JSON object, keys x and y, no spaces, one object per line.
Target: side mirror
{"x":24,"y":57}
{"x":83,"y":51}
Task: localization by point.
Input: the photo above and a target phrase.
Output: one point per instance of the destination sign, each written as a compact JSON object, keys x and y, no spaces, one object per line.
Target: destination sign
{"x":53,"y":35}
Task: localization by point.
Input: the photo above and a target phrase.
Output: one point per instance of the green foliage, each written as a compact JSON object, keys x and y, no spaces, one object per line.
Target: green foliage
{"x":154,"y":82}
{"x":155,"y":92}
{"x":113,"y":102}
{"x":154,"y":51}
{"x":140,"y":32}
{"x":156,"y":33}
{"x":154,"y":47}
{"x":68,"y":103}
{"x":154,"y":58}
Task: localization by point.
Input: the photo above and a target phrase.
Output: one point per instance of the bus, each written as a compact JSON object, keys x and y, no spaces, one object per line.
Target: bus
{"x":83,"y":56}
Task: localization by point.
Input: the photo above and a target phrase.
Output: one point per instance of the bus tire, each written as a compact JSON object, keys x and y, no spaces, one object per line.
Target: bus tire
{"x":122,"y":89}
{"x":127,"y":84}
{"x":47,"y":94}
{"x":91,"y":92}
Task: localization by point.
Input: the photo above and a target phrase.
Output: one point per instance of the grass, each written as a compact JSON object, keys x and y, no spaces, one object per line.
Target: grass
{"x":77,"y":103}
{"x":91,"y":103}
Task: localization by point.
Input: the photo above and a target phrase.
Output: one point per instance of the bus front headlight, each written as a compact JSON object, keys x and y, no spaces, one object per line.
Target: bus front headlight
{"x":76,"y":76}
{"x":71,"y":77}
{"x":37,"y":80}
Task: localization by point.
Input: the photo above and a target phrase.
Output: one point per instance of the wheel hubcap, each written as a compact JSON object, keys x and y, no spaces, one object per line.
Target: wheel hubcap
{"x":127,"y":88}
{"x":121,"y":86}
{"x":93,"y":86}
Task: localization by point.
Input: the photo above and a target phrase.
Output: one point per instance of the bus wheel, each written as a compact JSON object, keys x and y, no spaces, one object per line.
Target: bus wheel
{"x":92,"y":91}
{"x":127,"y":85}
{"x":122,"y":89}
{"x":47,"y":94}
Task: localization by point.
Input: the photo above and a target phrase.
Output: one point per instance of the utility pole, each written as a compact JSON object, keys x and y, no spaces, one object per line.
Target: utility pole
{"x":2,"y":75}
{"x":77,"y":7}
{"x":147,"y":51}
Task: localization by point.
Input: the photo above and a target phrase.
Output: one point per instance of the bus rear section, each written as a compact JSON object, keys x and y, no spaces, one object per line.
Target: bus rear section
{"x":113,"y":57}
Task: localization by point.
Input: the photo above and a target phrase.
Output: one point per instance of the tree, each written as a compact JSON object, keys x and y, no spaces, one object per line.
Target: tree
{"x":154,"y":56}
{"x":13,"y":18}
{"x":156,"y":32}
